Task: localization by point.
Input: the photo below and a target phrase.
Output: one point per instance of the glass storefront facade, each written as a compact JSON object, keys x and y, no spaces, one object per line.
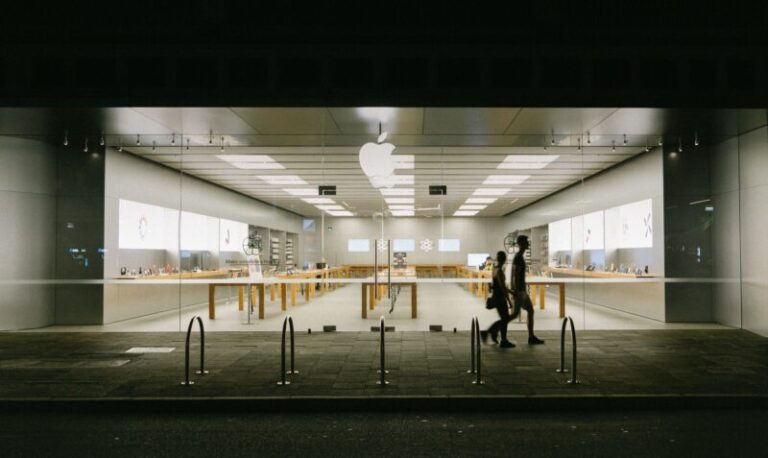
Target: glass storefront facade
{"x":150,"y":216}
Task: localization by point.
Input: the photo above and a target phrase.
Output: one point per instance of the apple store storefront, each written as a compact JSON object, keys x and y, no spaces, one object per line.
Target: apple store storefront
{"x":137,"y":219}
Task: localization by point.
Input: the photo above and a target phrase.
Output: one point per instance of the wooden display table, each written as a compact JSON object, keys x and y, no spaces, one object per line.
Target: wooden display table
{"x":372,"y":292}
{"x":240,"y":294}
{"x":421,"y":270}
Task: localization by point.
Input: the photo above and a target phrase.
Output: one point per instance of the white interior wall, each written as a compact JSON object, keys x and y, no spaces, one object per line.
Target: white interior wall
{"x":28,"y":228}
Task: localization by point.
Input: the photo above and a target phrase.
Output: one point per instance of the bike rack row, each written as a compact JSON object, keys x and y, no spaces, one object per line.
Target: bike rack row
{"x":474,"y":345}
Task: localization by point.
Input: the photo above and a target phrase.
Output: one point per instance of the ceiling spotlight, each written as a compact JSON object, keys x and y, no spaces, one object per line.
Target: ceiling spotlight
{"x":66,"y":138}
{"x":589,"y":139}
{"x":661,"y":141}
{"x":695,"y":139}
{"x":210,"y":138}
{"x":222,"y":145}
{"x":578,"y":143}
{"x":154,"y":146}
{"x":85,"y":148}
{"x":647,"y":148}
{"x":679,"y":145}
{"x":552,"y":142}
{"x":120,"y":147}
{"x":625,"y":139}
{"x":187,"y":144}
{"x":613,"y":145}
{"x":101,"y":140}
{"x":545,"y":148}
{"x":173,"y":139}
{"x":138,"y":140}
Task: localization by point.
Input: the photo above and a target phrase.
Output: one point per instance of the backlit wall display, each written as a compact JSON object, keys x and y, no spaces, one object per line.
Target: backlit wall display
{"x":198,"y":232}
{"x":594,"y":231}
{"x":146,"y":227}
{"x":448,"y":245}
{"x":403,"y":245}
{"x":232,"y":234}
{"x":636,"y":224}
{"x":359,"y":245}
{"x":476,"y":259}
{"x":560,"y":235}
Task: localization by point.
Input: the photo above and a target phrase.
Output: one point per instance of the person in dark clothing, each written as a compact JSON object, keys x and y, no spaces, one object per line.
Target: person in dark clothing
{"x":520,"y":288}
{"x":501,"y":299}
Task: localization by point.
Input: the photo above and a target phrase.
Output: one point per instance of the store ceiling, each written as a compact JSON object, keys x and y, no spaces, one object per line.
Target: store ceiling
{"x":457,"y":147}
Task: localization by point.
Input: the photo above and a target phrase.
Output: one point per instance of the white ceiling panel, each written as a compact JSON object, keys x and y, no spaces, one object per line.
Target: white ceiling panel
{"x":467,"y":121}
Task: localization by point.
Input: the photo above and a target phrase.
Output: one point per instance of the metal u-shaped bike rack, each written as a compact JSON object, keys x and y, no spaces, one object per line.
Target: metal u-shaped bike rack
{"x":573,"y":380}
{"x":202,"y":370}
{"x":289,"y":322}
{"x":382,"y":358}
{"x":474,"y":343}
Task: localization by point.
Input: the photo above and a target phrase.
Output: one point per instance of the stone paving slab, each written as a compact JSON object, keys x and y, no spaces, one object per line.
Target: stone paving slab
{"x":427,"y":364}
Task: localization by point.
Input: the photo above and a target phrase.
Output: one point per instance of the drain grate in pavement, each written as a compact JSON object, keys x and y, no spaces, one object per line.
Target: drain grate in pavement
{"x":150,"y":349}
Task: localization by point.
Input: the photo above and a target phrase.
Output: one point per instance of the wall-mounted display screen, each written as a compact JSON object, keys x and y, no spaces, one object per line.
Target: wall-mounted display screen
{"x":636,"y":224}
{"x":232,"y":234}
{"x":594,"y":232}
{"x":448,"y":245}
{"x":198,"y":232}
{"x":405,"y":245}
{"x":358,"y":245}
{"x":146,"y":227}
{"x":476,"y":259}
{"x":559,"y":234}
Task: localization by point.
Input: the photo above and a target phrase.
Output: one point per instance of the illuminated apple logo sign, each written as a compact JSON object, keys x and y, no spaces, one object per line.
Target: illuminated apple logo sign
{"x":377,"y":162}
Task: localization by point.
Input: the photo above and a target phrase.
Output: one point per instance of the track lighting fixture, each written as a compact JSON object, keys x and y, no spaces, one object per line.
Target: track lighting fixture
{"x":138,"y":140}
{"x":85,"y":147}
{"x":647,"y":148}
{"x":173,"y":139}
{"x":613,"y":145}
{"x":120,"y":147}
{"x":625,"y":139}
{"x":661,"y":141}
{"x":154,"y":146}
{"x":696,"y":139}
{"x":66,"y":138}
{"x":552,"y":142}
{"x":101,"y":140}
{"x":210,"y":137}
{"x":589,"y":139}
{"x":222,"y":145}
{"x":187,"y":144}
{"x":578,"y":144}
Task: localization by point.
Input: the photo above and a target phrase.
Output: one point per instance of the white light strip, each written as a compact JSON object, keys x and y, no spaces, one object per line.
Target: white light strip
{"x":399,"y":200}
{"x":481,"y":200}
{"x":301,"y":191}
{"x":402,"y":213}
{"x":396,"y":191}
{"x":527,"y":161}
{"x":490,"y":191}
{"x":401,"y":207}
{"x":282,"y":179}
{"x":318,"y":200}
{"x":465,"y":213}
{"x":341,"y":213}
{"x":330,"y":207}
{"x":505,"y":179}
{"x":251,"y":161}
{"x":472,"y":207}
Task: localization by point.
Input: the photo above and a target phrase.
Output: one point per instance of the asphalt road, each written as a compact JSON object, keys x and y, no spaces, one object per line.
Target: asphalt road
{"x":699,"y":433}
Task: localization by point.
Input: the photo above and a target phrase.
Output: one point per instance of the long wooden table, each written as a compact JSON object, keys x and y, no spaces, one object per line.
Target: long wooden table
{"x":372,"y":292}
{"x":240,"y":297}
{"x":422,"y":270}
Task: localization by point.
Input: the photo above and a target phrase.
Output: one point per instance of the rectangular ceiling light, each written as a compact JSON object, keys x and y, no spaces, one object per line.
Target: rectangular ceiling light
{"x":401,"y":207}
{"x":403,"y":161}
{"x":401,"y":179}
{"x":472,"y":207}
{"x":481,"y":200}
{"x":465,"y":213}
{"x":341,"y":213}
{"x":301,"y":191}
{"x":402,"y":212}
{"x":527,"y":161}
{"x":251,"y":161}
{"x":399,"y":200}
{"x":282,"y":179}
{"x":505,"y":179}
{"x":490,"y":191}
{"x":396,"y":191}
{"x":330,"y":207}
{"x":318,"y":200}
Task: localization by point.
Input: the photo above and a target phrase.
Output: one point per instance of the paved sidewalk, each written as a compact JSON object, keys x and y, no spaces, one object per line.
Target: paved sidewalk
{"x":421,"y":364}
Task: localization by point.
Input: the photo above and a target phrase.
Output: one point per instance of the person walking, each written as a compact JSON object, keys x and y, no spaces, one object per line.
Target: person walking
{"x":520,"y":288}
{"x":500,"y":297}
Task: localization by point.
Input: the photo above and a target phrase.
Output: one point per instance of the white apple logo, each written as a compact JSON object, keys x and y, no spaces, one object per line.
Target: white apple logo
{"x":377,"y":163}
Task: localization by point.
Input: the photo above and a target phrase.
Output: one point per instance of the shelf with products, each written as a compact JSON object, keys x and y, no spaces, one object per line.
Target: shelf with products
{"x":290,"y":246}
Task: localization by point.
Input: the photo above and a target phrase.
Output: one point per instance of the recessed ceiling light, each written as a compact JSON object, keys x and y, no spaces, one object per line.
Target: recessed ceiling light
{"x":396,"y":191}
{"x":481,"y":200}
{"x":330,"y":207}
{"x":282,"y":179}
{"x":301,"y":191}
{"x":251,"y":161}
{"x":401,"y":207}
{"x":399,"y":200}
{"x":341,"y":213}
{"x":403,"y":161}
{"x":527,"y":161}
{"x":490,"y":191}
{"x":402,"y":212}
{"x":505,"y":179}
{"x":472,"y":207}
{"x":318,"y":200}
{"x":465,"y":213}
